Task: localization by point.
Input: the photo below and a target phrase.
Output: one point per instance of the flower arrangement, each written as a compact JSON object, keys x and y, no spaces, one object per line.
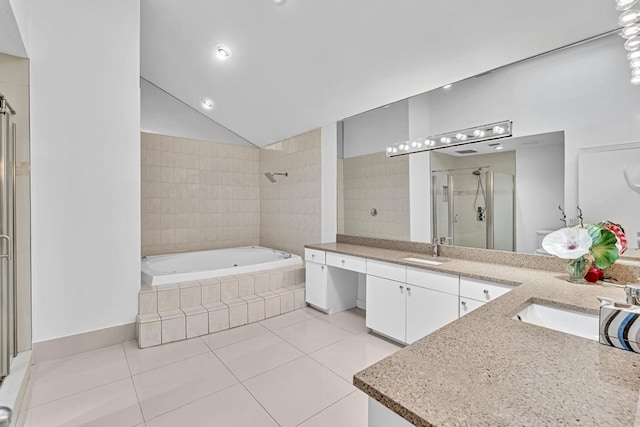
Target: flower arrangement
{"x":598,"y":245}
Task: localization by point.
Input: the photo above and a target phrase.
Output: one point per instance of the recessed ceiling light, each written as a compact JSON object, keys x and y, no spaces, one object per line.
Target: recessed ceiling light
{"x":499,"y":147}
{"x":207,"y":103}
{"x":223,"y":52}
{"x":446,"y":86}
{"x":279,"y":1}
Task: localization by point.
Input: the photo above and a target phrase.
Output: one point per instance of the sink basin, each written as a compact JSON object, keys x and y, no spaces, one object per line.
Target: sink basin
{"x":559,"y":319}
{"x":423,"y":261}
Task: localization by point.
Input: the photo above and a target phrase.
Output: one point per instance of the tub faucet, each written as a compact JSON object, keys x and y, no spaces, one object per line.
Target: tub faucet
{"x":633,"y":294}
{"x":434,"y":247}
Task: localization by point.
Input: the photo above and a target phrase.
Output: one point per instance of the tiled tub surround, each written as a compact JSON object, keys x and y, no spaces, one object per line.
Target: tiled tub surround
{"x":179,"y":311}
{"x":291,"y":207}
{"x":198,"y":195}
{"x":487,"y":369}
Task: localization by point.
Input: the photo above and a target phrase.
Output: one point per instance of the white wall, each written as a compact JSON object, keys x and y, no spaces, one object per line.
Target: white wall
{"x":329,"y":184}
{"x":372,"y":131}
{"x":539,"y":192}
{"x":85,"y":124}
{"x":11,"y":40}
{"x":163,"y":114}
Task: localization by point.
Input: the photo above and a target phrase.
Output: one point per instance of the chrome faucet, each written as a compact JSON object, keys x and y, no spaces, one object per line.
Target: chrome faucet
{"x":434,"y":248}
{"x":633,"y":294}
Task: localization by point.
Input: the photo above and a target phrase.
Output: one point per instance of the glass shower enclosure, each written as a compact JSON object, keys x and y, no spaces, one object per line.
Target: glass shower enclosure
{"x":8,"y":347}
{"x":474,"y":207}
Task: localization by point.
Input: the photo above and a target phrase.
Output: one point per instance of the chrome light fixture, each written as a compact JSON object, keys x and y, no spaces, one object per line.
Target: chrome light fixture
{"x":629,"y":20}
{"x":451,"y":139}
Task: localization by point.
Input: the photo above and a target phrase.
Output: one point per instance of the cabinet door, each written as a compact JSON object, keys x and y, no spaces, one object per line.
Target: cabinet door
{"x":467,"y":305}
{"x":386,"y":307}
{"x":428,"y":311}
{"x":316,"y":284}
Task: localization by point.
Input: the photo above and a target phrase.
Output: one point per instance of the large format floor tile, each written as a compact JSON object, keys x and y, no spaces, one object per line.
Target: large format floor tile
{"x":312,"y":335}
{"x":348,"y":412}
{"x":350,"y":320}
{"x":230,"y":407}
{"x":114,"y":404}
{"x":234,"y":335}
{"x":64,"y":377}
{"x":297,"y":390}
{"x":288,"y":319}
{"x":164,"y":389}
{"x":146,"y":359}
{"x":256,"y":355}
{"x":353,"y":354}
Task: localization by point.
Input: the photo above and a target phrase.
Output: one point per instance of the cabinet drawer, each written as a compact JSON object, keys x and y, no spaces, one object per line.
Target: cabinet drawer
{"x":432,"y":280}
{"x":387,"y":270}
{"x":314,"y":255}
{"x":467,"y":305}
{"x":481,"y":290}
{"x":347,"y":262}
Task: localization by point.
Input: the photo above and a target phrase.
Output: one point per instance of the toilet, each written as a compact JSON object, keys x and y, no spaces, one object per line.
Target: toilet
{"x":540,"y":234}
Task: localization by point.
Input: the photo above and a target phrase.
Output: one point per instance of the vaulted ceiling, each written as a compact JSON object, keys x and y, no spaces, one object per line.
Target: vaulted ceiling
{"x":308,"y":63}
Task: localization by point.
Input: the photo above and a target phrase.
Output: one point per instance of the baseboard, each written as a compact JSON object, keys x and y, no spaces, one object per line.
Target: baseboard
{"x":80,"y":343}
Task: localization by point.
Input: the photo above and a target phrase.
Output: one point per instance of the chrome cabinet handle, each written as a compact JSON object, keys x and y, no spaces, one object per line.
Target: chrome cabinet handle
{"x":313,"y":255}
{"x":322,"y":267}
{"x":464,"y":303}
{"x":408,"y":288}
{"x":486,"y":291}
{"x":343,"y":261}
{"x":401,"y":287}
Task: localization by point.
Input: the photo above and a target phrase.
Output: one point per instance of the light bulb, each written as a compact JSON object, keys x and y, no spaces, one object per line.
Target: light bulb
{"x":499,"y":147}
{"x":635,"y":80}
{"x":389,"y":149}
{"x":635,"y":72}
{"x":446,"y":86}
{"x":478,"y":133}
{"x":625,"y":4}
{"x":461,"y":136}
{"x":632,"y":44}
{"x":432,"y":142}
{"x":414,"y":144}
{"x":418,"y":144}
{"x":401,"y":146}
{"x":630,"y":31}
{"x":628,"y":17}
{"x":395,"y":150}
{"x":631,"y":56}
{"x":634,"y":63}
{"x":445,"y":140}
{"x":207,"y":103}
{"x":223,"y":52}
{"x":498,"y":129}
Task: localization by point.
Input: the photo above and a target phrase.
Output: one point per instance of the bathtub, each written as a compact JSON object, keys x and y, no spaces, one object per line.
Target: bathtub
{"x":186,"y":266}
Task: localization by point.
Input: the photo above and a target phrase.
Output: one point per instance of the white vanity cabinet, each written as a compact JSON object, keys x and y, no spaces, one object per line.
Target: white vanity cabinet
{"x":408,"y":310}
{"x":328,"y":288}
{"x":475,"y":293}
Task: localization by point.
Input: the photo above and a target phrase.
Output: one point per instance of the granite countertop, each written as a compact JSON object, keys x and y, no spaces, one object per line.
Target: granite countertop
{"x":487,"y":369}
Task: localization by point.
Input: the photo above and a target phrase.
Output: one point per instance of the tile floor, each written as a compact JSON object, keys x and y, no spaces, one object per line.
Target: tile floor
{"x":291,"y":370}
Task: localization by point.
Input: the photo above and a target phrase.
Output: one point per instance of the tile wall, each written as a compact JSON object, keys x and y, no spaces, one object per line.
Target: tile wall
{"x":375,"y":181}
{"x":291,"y":207}
{"x":198,"y":195}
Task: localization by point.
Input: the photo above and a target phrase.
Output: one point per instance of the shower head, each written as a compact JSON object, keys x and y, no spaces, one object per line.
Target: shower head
{"x":270,"y":175}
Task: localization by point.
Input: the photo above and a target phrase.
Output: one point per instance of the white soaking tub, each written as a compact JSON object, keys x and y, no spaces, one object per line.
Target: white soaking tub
{"x":186,"y":266}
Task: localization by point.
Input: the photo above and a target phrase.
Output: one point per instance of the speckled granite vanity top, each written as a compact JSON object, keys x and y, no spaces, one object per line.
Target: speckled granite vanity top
{"x":487,"y":369}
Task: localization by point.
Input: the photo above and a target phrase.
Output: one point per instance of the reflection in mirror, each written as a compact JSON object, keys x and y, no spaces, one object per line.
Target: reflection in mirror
{"x":580,"y":94}
{"x":474,"y":188}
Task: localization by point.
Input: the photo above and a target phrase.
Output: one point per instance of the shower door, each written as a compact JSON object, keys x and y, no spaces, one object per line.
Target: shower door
{"x":473,"y":209}
{"x":7,"y":213}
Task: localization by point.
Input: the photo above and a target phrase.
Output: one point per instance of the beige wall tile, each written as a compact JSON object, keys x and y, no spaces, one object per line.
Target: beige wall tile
{"x":218,"y":317}
{"x":237,"y":312}
{"x":168,"y":299}
{"x":228,"y":288}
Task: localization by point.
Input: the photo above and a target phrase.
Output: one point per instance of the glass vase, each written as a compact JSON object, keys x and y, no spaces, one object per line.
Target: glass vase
{"x":577,"y":269}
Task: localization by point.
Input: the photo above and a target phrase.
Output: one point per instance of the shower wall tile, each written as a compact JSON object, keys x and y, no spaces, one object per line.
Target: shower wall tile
{"x":375,"y":181}
{"x":198,"y":195}
{"x":291,"y":206}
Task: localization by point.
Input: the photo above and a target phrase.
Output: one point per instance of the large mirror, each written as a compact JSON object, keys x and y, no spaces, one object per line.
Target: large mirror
{"x":503,"y":194}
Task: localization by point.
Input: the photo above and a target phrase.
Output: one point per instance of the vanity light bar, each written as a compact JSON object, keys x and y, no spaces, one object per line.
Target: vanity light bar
{"x":451,"y":139}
